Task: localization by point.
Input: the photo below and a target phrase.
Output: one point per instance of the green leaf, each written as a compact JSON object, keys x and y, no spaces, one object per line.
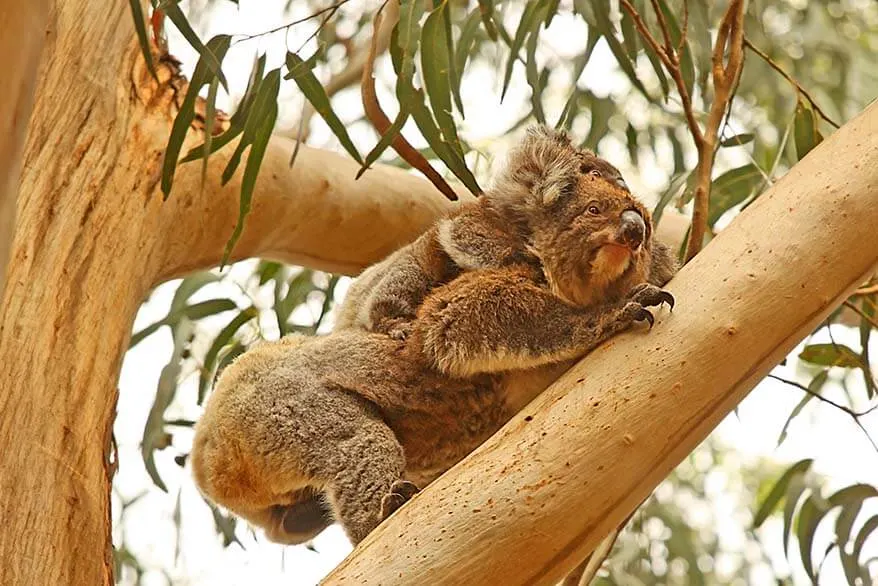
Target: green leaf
{"x":779,"y":489}
{"x":794,"y":493}
{"x":631,"y":142}
{"x":404,"y":43}
{"x":486,"y":9}
{"x":225,"y":525}
{"x":299,"y":288}
{"x":142,"y":38}
{"x":261,"y":133}
{"x":805,"y":130}
{"x":831,"y":355}
{"x":675,"y":186}
{"x":737,"y":140}
{"x":551,"y":11}
{"x":191,"y":285}
{"x":814,"y":387}
{"x":605,"y":26}
{"x":223,"y":338}
{"x":154,"y":435}
{"x":731,"y":188}
{"x":464,"y":47}
{"x":192,"y":312}
{"x":209,"y":120}
{"x":314,"y":92}
{"x":453,"y":76}
{"x":630,"y":36}
{"x":528,"y":16}
{"x":238,"y":119}
{"x":570,"y":110}
{"x":208,"y":54}
{"x":436,"y":69}
{"x":813,"y":511}
{"x":868,"y":527}
{"x":386,"y":139}
{"x":200,"y":76}
{"x":535,"y":80}
{"x":267,"y":270}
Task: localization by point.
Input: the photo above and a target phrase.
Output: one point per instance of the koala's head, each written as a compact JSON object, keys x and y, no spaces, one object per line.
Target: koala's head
{"x":593,"y":237}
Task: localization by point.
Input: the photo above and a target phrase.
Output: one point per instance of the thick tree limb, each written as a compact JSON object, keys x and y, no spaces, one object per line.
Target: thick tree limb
{"x":24,"y":24}
{"x":532,"y":501}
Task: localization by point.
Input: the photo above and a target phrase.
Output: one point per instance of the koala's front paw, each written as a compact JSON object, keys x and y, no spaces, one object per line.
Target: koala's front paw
{"x":400,"y":492}
{"x":650,"y":296}
{"x":633,"y":311}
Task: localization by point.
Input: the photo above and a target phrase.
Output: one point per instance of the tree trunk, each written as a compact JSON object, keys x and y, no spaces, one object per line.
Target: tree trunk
{"x":93,"y":236}
{"x":532,"y":501}
{"x":20,"y":43}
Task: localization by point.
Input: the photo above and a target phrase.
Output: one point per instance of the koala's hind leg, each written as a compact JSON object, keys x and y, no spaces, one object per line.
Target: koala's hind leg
{"x":359,"y":471}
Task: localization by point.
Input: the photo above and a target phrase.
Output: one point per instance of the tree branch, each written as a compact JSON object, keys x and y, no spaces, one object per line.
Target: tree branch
{"x":576,"y":461}
{"x":725,"y":79}
{"x":855,"y":415}
{"x":791,"y":80}
{"x":22,"y":43}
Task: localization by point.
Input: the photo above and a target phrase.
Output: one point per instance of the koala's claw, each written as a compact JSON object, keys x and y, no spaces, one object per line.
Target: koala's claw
{"x":634,"y":311}
{"x":400,"y":493}
{"x":650,"y":296}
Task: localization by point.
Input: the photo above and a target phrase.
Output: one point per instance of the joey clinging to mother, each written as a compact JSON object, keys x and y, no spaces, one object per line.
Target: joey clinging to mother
{"x":507,"y":226}
{"x":303,"y":432}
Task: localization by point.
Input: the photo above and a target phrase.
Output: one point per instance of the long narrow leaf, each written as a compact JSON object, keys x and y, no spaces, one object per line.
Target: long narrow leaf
{"x":208,"y":54}
{"x":524,"y":26}
{"x":259,"y":143}
{"x":200,"y":76}
{"x":142,"y":38}
{"x":316,"y":94}
{"x":224,"y":337}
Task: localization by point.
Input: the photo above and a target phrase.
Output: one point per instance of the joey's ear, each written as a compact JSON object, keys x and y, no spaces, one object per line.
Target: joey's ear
{"x":542,"y":167}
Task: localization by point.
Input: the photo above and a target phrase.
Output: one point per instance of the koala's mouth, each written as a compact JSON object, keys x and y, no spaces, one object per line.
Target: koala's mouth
{"x":612,"y":260}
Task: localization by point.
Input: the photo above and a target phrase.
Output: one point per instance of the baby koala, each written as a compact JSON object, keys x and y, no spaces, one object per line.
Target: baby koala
{"x":497,"y":230}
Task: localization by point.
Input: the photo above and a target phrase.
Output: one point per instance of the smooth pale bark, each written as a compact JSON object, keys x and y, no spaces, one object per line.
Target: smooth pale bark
{"x":92,"y":238}
{"x":24,"y":24}
{"x":531,"y":502}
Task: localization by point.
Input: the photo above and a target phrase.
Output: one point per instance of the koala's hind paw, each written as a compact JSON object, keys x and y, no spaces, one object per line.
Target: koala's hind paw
{"x":634,"y":311}
{"x":650,"y":296}
{"x":400,"y":493}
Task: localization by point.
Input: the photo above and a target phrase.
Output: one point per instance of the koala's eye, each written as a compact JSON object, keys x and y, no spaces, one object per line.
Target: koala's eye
{"x":595,"y":173}
{"x":594,"y":210}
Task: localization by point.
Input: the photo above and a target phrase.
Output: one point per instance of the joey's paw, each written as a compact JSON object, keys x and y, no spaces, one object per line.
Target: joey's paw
{"x":400,"y":492}
{"x":634,"y":311}
{"x":398,"y":329}
{"x":651,"y":296}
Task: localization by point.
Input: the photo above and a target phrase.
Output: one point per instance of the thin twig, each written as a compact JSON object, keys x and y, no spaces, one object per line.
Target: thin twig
{"x":685,"y":30}
{"x":382,"y":123}
{"x":867,"y":290}
{"x":725,"y":80}
{"x":663,"y":26}
{"x":673,"y":69}
{"x":861,"y":313}
{"x":790,"y":79}
{"x":331,"y":7}
{"x":855,"y":415}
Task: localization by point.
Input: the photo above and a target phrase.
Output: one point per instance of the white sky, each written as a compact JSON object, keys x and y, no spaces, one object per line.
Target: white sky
{"x":840,"y":450}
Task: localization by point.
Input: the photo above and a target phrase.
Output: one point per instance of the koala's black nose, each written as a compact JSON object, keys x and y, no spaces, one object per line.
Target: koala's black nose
{"x":633,"y":229}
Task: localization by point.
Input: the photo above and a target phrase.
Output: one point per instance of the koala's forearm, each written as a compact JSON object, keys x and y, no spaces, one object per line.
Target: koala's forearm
{"x":497,"y":321}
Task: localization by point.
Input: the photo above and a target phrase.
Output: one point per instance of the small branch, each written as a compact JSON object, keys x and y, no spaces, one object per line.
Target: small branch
{"x":684,"y":31}
{"x":867,"y":290}
{"x":330,"y":8}
{"x":855,"y":415}
{"x":663,"y":25}
{"x":791,"y":80}
{"x":382,"y":123}
{"x":861,"y":313}
{"x":725,"y":80}
{"x":672,"y":67}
